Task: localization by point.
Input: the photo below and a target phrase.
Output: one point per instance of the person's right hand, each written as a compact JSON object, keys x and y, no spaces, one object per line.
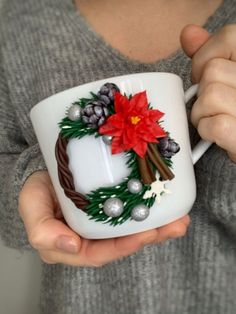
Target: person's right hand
{"x":57,"y":243}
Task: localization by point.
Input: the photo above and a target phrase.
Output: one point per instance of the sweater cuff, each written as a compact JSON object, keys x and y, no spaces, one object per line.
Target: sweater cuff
{"x":15,"y":169}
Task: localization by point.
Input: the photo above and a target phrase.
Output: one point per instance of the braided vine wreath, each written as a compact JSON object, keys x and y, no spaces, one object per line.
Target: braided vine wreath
{"x":127,"y":124}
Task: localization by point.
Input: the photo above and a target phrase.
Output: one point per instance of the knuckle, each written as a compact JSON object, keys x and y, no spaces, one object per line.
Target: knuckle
{"x":187,"y":220}
{"x":220,"y":129}
{"x":212,"y":88}
{"x":194,"y":113}
{"x":212,"y":70}
{"x":34,"y":239}
{"x":46,"y":258}
{"x":211,"y":94}
{"x":179,"y":231}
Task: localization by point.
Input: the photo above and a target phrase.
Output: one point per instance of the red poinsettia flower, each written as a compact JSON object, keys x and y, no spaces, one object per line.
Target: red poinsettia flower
{"x":133,"y":125}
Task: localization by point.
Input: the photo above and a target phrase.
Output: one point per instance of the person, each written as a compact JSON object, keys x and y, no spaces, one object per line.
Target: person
{"x":48,"y":46}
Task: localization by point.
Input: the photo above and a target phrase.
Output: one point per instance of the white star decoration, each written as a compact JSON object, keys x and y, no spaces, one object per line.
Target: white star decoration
{"x":157,"y":188}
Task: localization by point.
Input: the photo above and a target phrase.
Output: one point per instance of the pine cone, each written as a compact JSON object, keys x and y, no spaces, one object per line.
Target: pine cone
{"x":94,"y":114}
{"x":168,"y":147}
{"x":106,"y":93}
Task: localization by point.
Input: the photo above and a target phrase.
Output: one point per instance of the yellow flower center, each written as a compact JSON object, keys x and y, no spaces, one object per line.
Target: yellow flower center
{"x":135,"y":119}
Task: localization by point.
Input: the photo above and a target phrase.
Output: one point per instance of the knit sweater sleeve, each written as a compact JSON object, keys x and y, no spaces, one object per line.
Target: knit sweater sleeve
{"x":17,"y":162}
{"x":216,"y":181}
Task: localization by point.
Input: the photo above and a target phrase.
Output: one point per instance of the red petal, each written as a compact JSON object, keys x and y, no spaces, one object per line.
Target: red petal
{"x":117,"y":145}
{"x":139,"y":103}
{"x":129,"y":138}
{"x":108,"y":129}
{"x":156,"y":130}
{"x":147,"y":137}
{"x":149,"y":132}
{"x":113,"y":126}
{"x":159,"y":132}
{"x":116,"y":120}
{"x":121,"y":102}
{"x":105,"y":128}
{"x":141,"y":148}
{"x":154,"y":114}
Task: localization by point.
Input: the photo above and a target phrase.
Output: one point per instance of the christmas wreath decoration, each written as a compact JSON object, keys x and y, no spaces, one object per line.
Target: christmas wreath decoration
{"x":127,"y":124}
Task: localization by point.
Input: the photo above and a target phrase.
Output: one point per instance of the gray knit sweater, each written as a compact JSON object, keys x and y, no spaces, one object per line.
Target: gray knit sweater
{"x":46,"y":47}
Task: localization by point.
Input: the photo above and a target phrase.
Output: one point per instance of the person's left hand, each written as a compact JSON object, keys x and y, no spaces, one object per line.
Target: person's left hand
{"x":214,"y":68}
{"x":57,"y":243}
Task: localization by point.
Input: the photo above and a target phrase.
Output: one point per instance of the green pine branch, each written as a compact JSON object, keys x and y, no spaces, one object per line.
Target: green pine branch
{"x":99,"y":196}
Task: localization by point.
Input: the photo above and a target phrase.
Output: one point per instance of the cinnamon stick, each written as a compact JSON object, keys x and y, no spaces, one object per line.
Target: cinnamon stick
{"x":147,"y":175}
{"x":156,"y":159}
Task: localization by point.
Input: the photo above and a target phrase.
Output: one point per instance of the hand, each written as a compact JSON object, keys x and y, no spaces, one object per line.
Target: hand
{"x":214,"y":68}
{"x":57,"y":243}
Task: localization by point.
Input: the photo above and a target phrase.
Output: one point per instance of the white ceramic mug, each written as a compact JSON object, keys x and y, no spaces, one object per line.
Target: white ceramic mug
{"x":94,"y":166}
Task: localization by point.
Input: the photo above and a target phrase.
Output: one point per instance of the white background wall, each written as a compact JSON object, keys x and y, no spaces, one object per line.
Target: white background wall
{"x":19,"y":280}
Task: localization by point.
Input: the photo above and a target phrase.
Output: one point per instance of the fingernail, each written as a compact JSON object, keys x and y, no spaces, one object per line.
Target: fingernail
{"x":67,"y":244}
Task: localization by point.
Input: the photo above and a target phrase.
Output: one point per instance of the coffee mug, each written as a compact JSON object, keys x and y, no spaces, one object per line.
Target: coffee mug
{"x":93,"y":165}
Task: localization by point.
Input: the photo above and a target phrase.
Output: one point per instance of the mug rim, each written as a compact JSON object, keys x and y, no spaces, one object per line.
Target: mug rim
{"x":101,"y":80}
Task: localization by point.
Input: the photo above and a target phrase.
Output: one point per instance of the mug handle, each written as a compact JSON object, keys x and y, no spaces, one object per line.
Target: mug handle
{"x":202,"y":146}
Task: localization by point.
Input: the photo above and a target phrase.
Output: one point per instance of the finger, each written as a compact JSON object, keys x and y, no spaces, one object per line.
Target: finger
{"x":99,"y":252}
{"x":215,"y":99}
{"x":192,"y":37}
{"x":36,"y":204}
{"x":53,"y":234}
{"x":218,"y":70}
{"x":175,"y":229}
{"x":108,"y":250}
{"x":37,"y":187}
{"x":220,"y":129}
{"x":220,"y":45}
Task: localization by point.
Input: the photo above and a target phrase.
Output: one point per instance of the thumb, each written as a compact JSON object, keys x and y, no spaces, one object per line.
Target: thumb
{"x":192,"y":37}
{"x":37,"y":206}
{"x":53,"y":234}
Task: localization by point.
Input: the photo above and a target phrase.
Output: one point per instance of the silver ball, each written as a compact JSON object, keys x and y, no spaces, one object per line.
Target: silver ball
{"x":74,"y":112}
{"x":134,"y":186}
{"x":113,"y":207}
{"x":140,"y":212}
{"x":107,"y":139}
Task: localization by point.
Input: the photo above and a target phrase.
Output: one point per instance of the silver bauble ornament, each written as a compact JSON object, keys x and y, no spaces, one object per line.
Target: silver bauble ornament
{"x":134,"y":186}
{"x":113,"y":207}
{"x":107,"y":139}
{"x":140,"y":212}
{"x":74,"y":112}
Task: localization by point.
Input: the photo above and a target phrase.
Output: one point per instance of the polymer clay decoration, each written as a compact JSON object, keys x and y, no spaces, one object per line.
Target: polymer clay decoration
{"x":129,"y":125}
